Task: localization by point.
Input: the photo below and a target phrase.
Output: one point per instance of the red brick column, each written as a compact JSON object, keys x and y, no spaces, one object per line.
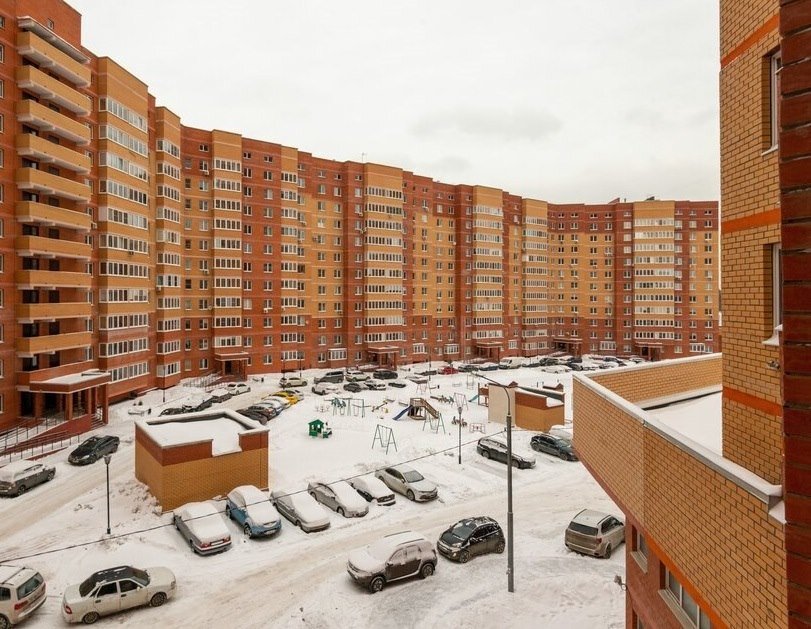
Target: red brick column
{"x":795,"y":188}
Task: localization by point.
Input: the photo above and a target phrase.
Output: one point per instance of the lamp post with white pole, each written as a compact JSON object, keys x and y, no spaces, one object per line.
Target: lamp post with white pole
{"x":107,"y":458}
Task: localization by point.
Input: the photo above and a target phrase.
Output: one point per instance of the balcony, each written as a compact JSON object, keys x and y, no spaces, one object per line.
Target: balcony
{"x":45,"y":119}
{"x":48,"y":215}
{"x":47,"y":56}
{"x":47,"y":152}
{"x":41,"y":182}
{"x":51,"y":248}
{"x":28,"y":313}
{"x":51,"y":279}
{"x":51,"y":343}
{"x":45,"y":86}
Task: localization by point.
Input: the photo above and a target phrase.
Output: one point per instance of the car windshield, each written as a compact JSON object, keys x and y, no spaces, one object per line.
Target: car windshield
{"x":140,"y":576}
{"x":87,"y":585}
{"x":462,"y":530}
{"x":89,"y":443}
{"x":29,"y":586}
{"x":413,"y":476}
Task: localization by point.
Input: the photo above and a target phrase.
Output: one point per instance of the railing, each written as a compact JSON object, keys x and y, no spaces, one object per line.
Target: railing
{"x":40,"y":447}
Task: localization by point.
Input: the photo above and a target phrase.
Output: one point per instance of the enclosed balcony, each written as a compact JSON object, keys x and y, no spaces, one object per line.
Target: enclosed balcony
{"x":46,"y":119}
{"x":50,"y":216}
{"x":47,"y":152}
{"x":51,"y":343}
{"x":45,"y":55}
{"x":51,"y":279}
{"x":28,"y":313}
{"x":41,"y":182}
{"x":51,"y":247}
{"x":45,"y":86}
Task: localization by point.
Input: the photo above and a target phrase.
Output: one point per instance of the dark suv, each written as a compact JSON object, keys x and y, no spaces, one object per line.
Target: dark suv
{"x":385,"y":374}
{"x":550,"y":444}
{"x":470,"y":537}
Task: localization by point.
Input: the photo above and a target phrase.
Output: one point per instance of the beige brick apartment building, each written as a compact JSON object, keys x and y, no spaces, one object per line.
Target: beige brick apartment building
{"x":724,"y":539}
{"x":136,"y":251}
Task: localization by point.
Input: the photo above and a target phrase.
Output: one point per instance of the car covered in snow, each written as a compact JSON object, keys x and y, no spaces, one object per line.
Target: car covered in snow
{"x":354,"y":387}
{"x":325,"y":388}
{"x":373,"y":490}
{"x":19,"y":476}
{"x":392,"y":558}
{"x":250,"y":508}
{"x":116,"y":590}
{"x":301,"y":509}
{"x":470,"y":537}
{"x":375,"y":385}
{"x":405,"y":480}
{"x":340,"y":497}
{"x":22,"y":591}
{"x":202,"y":526}
{"x":448,"y":370}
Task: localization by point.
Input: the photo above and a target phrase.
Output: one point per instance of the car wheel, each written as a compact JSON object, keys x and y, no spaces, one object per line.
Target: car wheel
{"x":21,"y":490}
{"x":464,"y":557}
{"x":49,"y":477}
{"x":410,"y":495}
{"x":517,"y":464}
{"x":5,"y":623}
{"x":607,"y":553}
{"x":485,"y":454}
{"x":500,"y":547}
{"x":426,"y":571}
{"x":90,"y":618}
{"x":247,"y":530}
{"x":340,"y":511}
{"x":376,"y":584}
{"x":158,"y":599}
{"x":563,"y":456}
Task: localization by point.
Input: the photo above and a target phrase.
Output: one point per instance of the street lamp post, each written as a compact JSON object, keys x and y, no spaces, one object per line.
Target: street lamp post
{"x":459,"y":417}
{"x":107,"y":458}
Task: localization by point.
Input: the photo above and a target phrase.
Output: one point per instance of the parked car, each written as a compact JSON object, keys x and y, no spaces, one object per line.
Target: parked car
{"x":238,"y":388}
{"x":551,"y":444}
{"x":288,"y":394}
{"x":354,"y":387}
{"x":93,"y":448}
{"x":221,"y":395}
{"x":251,"y":509}
{"x":340,"y":497}
{"x":356,"y":376}
{"x":409,"y":482}
{"x":286,"y":402}
{"x":301,"y":509}
{"x":173,"y":411}
{"x":468,"y":367}
{"x":255,"y":415}
{"x":427,"y":372}
{"x":117,"y":590}
{"x":557,"y":369}
{"x":392,"y":558}
{"x":448,"y":370}
{"x":470,"y":537}
{"x":488,"y":367}
{"x":275,"y":403}
{"x":22,"y":591}
{"x":375,"y":385}
{"x":511,"y":362}
{"x":292,"y":381}
{"x":205,"y":405}
{"x":203,"y":527}
{"x":385,"y":374}
{"x":19,"y":476}
{"x":373,"y":490}
{"x":269,"y":411}
{"x":594,"y":533}
{"x":397,"y":384}
{"x":324,"y":388}
{"x":496,"y":449}
{"x":336,"y":377}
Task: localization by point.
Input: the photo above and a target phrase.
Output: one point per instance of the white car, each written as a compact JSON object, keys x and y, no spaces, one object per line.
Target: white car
{"x":373,"y":490}
{"x":292,"y":381}
{"x":274,"y":402}
{"x":407,"y":481}
{"x":356,"y":376}
{"x":301,"y":509}
{"x":203,"y":527}
{"x":375,"y":385}
{"x":238,"y":388}
{"x":557,"y":369}
{"x":340,"y":497}
{"x":117,"y":589}
{"x":325,"y":388}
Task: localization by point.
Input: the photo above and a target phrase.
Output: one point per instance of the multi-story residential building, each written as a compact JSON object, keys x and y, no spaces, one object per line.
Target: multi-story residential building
{"x":722,"y":537}
{"x":137,"y":251}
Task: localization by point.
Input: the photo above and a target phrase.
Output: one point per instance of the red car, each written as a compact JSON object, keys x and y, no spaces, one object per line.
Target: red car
{"x":448,"y":370}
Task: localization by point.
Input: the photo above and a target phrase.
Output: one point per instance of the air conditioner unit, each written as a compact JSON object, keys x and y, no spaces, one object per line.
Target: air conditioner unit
{"x":159,"y":288}
{"x":205,"y":271}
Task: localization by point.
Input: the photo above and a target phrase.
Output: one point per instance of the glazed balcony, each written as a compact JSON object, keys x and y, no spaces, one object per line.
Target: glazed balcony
{"x":37,"y":82}
{"x":46,"y":152}
{"x":51,"y":279}
{"x":28,"y":313}
{"x":32,"y":47}
{"x":51,"y":247}
{"x":48,"y":215}
{"x":50,"y":343}
{"x":41,"y":182}
{"x":45,"y":119}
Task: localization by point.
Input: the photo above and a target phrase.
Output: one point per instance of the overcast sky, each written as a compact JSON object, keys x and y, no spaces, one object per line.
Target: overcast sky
{"x":566,"y":101}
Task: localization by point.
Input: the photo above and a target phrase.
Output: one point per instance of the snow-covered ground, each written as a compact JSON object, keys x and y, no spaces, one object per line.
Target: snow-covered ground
{"x":296,"y":579}
{"x":698,"y":419}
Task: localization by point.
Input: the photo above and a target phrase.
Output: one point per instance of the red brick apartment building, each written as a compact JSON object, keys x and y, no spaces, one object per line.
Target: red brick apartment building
{"x":136,"y":251}
{"x":724,"y":539}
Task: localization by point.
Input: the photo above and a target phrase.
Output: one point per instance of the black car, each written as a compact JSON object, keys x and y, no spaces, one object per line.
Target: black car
{"x":496,"y":449}
{"x":268,"y":412}
{"x":385,"y":374}
{"x":354,"y":387}
{"x":470,"y":537}
{"x":397,"y":384}
{"x":92,"y":449}
{"x":254,"y":415}
{"x":204,"y":405}
{"x":550,"y":444}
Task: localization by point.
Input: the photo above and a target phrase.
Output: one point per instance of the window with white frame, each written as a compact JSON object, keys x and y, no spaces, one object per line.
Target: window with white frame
{"x":682,"y":604}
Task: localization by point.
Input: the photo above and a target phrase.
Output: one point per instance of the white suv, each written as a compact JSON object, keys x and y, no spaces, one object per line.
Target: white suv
{"x":22,"y":590}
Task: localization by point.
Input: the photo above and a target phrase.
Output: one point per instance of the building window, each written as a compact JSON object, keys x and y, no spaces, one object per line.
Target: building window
{"x":774,"y":252}
{"x":640,"y":550}
{"x":774,"y":63}
{"x":682,"y":604}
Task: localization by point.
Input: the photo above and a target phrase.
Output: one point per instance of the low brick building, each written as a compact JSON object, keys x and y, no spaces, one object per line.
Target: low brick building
{"x":197,"y":456}
{"x":531,"y":409}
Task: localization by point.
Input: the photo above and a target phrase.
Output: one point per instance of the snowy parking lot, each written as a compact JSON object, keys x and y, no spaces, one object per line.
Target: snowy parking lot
{"x":298,"y":579}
